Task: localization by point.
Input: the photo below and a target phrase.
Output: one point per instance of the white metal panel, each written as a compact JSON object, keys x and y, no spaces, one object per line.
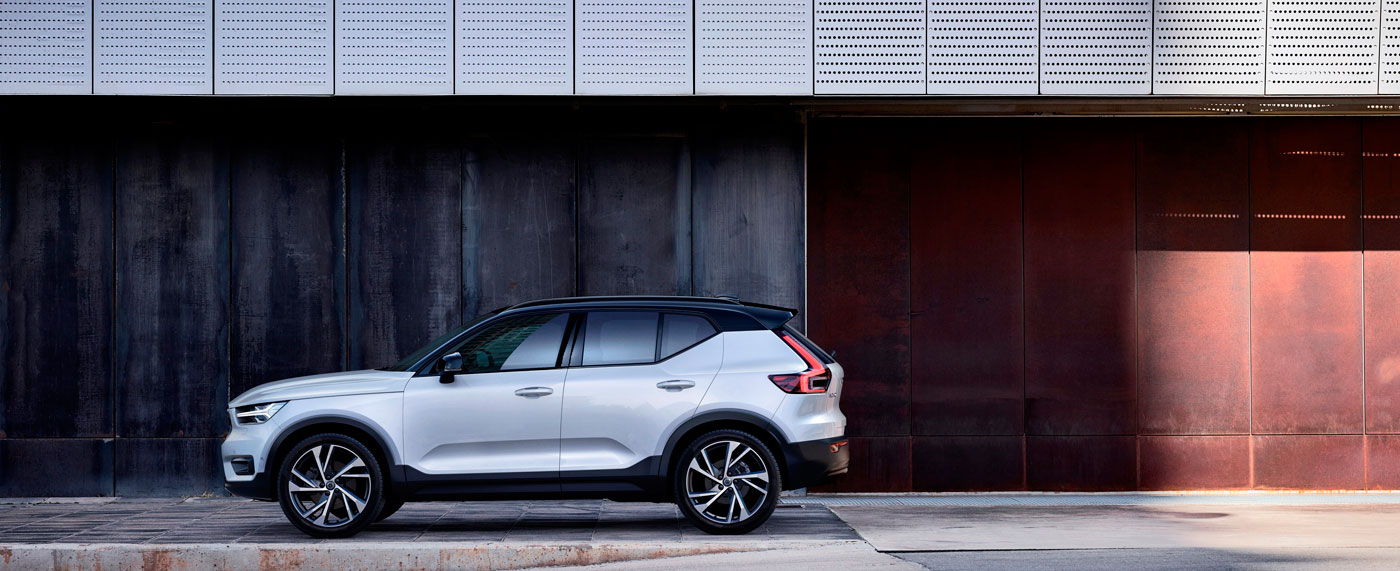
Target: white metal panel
{"x":393,"y":47}
{"x":634,"y":47}
{"x":870,"y":47}
{"x":272,"y":46}
{"x":509,"y":47}
{"x":45,"y":46}
{"x":1208,"y":47}
{"x":753,"y":47}
{"x":1323,"y":47}
{"x":1390,"y":47}
{"x":989,"y":47}
{"x":1096,"y":47}
{"x":154,"y":46}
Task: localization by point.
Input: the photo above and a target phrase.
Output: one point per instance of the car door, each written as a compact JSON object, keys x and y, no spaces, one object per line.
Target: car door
{"x":641,"y":375}
{"x":500,"y":415}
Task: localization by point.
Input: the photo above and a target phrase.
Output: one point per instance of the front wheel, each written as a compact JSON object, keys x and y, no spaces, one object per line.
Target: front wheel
{"x":330,"y":485}
{"x":727,"y":482}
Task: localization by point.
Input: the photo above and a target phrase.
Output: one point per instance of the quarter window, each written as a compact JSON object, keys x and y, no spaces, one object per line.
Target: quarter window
{"x":681,"y":331}
{"x":525,"y":342}
{"x":620,"y":337}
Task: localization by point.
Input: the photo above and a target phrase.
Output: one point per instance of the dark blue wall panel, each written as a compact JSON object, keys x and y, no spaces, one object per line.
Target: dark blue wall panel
{"x":288,"y":258}
{"x":172,"y":274}
{"x":405,"y":249}
{"x":55,"y":288}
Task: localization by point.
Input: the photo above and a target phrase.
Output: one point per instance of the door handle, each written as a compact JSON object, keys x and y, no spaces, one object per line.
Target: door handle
{"x":533,"y":392}
{"x":675,"y":385}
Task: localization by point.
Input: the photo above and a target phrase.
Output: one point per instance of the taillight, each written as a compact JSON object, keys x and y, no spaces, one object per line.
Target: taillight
{"x":814,"y":380}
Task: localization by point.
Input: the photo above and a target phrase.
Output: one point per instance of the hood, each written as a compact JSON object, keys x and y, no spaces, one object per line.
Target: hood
{"x":327,"y":385}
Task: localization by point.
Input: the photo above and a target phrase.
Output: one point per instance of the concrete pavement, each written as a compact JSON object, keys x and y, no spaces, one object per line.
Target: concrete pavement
{"x":981,"y":531}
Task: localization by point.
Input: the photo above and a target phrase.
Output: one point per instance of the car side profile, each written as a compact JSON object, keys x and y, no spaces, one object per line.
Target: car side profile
{"x":710,"y":403}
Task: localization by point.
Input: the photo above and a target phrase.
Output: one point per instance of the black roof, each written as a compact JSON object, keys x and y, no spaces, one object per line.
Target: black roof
{"x":768,"y":316}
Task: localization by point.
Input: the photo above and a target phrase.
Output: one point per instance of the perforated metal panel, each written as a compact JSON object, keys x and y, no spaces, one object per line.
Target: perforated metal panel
{"x":1323,"y":46}
{"x":1095,"y":47}
{"x":870,"y":46}
{"x":753,"y":46}
{"x":44,"y":46}
{"x":273,"y":46}
{"x":1390,"y":47}
{"x":153,"y":46}
{"x":634,"y":47}
{"x":984,"y":47}
{"x":393,"y":46}
{"x":515,"y":47}
{"x":1208,"y":46}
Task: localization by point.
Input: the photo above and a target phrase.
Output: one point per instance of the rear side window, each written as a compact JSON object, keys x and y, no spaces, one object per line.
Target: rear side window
{"x":620,"y":337}
{"x":679,"y":332}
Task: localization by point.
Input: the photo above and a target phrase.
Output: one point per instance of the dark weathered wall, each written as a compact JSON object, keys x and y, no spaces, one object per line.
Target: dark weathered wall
{"x":158,"y":256}
{"x":1111,"y":304}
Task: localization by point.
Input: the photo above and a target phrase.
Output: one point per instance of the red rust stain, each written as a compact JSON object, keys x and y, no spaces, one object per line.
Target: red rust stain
{"x":157,"y":561}
{"x":274,"y":559}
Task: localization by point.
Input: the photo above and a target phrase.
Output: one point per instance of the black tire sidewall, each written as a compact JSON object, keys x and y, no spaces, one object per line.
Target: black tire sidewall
{"x":770,"y":502}
{"x":375,"y":501}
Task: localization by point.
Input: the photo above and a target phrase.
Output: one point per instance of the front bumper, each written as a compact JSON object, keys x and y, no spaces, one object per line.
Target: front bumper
{"x":248,"y":443}
{"x":815,"y":461}
{"x":257,"y":488}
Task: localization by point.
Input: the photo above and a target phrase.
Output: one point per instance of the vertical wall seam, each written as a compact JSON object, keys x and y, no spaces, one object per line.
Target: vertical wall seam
{"x":1135,"y":331}
{"x":345,"y":253}
{"x":1025,"y":315}
{"x":1249,"y":272}
{"x":115,"y":329}
{"x":1365,"y":448}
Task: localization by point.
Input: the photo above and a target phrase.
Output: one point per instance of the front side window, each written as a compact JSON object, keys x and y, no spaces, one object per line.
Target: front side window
{"x":620,"y":337}
{"x":525,"y":342}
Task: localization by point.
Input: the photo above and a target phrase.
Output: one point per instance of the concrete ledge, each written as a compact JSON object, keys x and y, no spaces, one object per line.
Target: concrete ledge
{"x":364,"y":555}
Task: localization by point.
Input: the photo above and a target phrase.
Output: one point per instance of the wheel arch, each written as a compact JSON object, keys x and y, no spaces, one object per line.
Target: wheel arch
{"x":367,"y":434}
{"x":760,"y":427}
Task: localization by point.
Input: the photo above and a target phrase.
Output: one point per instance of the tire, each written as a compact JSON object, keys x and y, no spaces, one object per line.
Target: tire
{"x":732,"y":499}
{"x":391,"y":505}
{"x":354,"y":497}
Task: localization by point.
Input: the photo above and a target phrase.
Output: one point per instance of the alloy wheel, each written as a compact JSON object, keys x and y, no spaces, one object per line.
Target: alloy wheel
{"x":727,"y":481}
{"x":329,"y":485}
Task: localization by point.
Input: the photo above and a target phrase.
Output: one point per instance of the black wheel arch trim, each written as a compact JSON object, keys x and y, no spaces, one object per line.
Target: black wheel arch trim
{"x":391,"y":461}
{"x":732,"y":415}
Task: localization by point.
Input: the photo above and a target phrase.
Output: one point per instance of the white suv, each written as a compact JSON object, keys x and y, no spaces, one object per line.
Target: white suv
{"x":713,"y":404}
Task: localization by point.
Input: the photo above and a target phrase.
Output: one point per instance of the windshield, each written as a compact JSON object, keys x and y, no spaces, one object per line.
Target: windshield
{"x":416,"y":356}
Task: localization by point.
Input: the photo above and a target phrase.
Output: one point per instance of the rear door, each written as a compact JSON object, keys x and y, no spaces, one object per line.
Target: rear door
{"x":640,"y":375}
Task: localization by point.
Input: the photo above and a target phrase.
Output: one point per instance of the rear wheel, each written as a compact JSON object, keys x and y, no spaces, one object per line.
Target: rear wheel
{"x":727,"y":482}
{"x":330,"y":485}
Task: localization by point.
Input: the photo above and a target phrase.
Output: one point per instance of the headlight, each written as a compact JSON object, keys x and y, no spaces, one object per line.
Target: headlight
{"x":257,"y":413}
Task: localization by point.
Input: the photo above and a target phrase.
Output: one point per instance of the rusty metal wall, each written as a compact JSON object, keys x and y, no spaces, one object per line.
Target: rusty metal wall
{"x":1112,"y":304}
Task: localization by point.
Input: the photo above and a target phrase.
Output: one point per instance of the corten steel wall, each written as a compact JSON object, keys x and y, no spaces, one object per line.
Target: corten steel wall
{"x":1111,"y":304}
{"x":160,"y":256}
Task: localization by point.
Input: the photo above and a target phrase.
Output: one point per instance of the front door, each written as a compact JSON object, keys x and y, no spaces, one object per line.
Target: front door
{"x":500,"y":415}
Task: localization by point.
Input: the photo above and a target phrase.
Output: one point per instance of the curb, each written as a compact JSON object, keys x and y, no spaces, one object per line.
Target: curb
{"x":367,"y":555}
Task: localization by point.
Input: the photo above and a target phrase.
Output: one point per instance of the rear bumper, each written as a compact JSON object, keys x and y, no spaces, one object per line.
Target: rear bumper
{"x":815,"y":461}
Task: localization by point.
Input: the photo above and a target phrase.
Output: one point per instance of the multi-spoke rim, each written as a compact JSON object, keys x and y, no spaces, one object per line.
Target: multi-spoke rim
{"x":329,"y":485}
{"x":727,"y":481}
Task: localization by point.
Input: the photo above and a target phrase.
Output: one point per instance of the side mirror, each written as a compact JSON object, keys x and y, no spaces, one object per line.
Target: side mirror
{"x":451,"y":364}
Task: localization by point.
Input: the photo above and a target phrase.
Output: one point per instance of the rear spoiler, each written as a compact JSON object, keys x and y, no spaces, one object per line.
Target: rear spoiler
{"x":770,"y":316}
